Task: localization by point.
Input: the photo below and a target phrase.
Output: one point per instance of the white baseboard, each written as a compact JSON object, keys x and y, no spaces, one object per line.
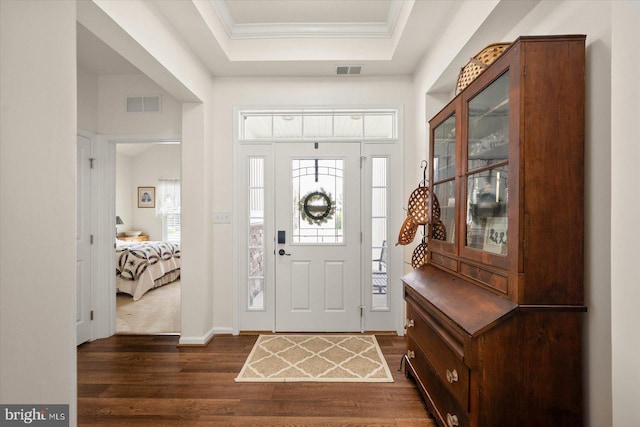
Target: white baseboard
{"x":223,"y":331}
{"x":204,"y":340}
{"x":201,"y":340}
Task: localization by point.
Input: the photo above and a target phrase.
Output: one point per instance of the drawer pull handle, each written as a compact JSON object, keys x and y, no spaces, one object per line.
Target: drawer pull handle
{"x":452,"y":376}
{"x":411,"y":354}
{"x":452,"y":420}
{"x":409,"y":323}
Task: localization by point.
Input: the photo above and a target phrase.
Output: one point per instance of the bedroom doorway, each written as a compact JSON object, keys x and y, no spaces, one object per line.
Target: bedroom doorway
{"x":148,"y":255}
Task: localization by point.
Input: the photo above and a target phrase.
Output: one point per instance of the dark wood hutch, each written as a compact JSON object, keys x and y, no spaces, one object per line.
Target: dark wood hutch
{"x":494,"y":319}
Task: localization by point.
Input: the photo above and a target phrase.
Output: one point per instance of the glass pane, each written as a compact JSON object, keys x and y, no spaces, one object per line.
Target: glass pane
{"x":487,"y":201}
{"x":316,"y":124}
{"x":256,"y":247}
{"x":378,"y":232}
{"x":257,"y":127}
{"x":444,"y":150}
{"x":379,"y":238}
{"x":378,"y":125}
{"x":256,"y":292}
{"x":347,"y":125}
{"x":287,"y":126}
{"x":256,"y":172}
{"x":379,"y":202}
{"x":171,"y":227}
{"x":320,"y":126}
{"x":445,"y":228}
{"x":489,"y":125}
{"x":317,"y":200}
{"x":379,"y":172}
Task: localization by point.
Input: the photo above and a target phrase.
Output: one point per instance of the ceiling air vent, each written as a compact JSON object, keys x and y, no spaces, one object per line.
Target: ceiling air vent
{"x":348,"y":69}
{"x":144,"y":104}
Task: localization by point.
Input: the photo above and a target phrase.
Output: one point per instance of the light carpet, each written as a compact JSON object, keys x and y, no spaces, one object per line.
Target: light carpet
{"x":327,"y":358}
{"x":157,"y":312}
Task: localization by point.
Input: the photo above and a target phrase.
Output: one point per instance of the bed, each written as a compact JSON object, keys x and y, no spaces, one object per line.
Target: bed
{"x":142,"y":266}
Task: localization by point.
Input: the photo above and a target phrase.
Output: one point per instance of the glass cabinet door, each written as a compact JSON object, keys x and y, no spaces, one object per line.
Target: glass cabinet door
{"x":488,"y":168}
{"x":444,"y":188}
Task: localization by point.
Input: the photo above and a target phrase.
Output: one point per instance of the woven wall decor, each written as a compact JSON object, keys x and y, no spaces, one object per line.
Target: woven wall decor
{"x":438,"y":230}
{"x":419,"y":257}
{"x":407,"y":231}
{"x":435,"y":208}
{"x":478,"y":63}
{"x":418,"y":206}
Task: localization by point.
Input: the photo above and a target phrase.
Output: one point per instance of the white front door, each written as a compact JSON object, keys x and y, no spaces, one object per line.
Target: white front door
{"x":83,"y":241}
{"x":317,"y":237}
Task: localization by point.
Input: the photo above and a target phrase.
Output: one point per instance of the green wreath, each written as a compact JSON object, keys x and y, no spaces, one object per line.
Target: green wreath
{"x":317,"y":207}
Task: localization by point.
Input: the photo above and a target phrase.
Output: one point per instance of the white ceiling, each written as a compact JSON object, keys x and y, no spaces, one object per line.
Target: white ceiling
{"x":291,"y":37}
{"x":307,"y":11}
{"x":97,"y":57}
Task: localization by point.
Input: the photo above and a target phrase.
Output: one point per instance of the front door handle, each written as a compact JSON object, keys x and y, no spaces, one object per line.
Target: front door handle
{"x":282,"y":252}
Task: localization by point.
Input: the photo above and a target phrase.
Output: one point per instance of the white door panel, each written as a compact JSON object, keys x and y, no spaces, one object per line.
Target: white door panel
{"x":83,"y":241}
{"x":318,"y":208}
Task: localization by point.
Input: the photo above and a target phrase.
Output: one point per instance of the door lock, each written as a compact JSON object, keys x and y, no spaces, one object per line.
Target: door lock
{"x":282,"y":252}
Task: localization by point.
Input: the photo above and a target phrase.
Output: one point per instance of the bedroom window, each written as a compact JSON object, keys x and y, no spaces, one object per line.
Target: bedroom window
{"x":168,"y":208}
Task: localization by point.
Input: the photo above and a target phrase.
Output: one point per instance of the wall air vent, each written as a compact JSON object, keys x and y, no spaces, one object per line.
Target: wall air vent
{"x":348,"y":69}
{"x":144,"y":104}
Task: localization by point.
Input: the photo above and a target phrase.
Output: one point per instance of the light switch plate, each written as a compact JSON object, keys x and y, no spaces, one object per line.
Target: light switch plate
{"x":222,"y":217}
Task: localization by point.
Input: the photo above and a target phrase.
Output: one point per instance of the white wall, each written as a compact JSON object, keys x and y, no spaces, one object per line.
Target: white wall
{"x":87,"y":100}
{"x":114,"y":119}
{"x":625,"y":205}
{"x":125,"y":192}
{"x":37,"y":203}
{"x":286,"y":92}
{"x":161,"y":161}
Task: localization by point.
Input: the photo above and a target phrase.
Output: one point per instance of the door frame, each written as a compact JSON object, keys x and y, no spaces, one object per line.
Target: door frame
{"x":103,"y":225}
{"x":390,"y":318}
{"x":84,"y":294}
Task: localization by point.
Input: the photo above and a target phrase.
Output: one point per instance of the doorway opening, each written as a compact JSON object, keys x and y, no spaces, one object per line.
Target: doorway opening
{"x":315,"y":197}
{"x":147,"y":248}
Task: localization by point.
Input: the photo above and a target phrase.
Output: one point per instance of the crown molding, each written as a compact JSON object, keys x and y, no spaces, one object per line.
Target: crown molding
{"x":309,"y":30}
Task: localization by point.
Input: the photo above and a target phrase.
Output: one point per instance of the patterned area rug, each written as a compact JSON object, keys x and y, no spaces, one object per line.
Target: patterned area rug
{"x":328,"y":358}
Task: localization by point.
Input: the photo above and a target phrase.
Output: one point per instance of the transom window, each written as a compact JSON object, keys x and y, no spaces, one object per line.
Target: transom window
{"x":318,"y":125}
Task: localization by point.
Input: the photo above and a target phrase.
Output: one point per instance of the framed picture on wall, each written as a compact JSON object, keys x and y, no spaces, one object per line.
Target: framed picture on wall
{"x":146,"y":197}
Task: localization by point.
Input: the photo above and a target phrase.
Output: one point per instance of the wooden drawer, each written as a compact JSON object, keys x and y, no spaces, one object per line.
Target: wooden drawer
{"x":442,"y":404}
{"x":437,"y":345}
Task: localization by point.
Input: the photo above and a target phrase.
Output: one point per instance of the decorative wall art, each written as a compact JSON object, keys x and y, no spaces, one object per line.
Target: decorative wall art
{"x":146,"y":197}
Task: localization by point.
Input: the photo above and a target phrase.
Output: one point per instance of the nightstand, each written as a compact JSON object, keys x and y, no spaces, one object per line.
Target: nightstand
{"x":140,"y":238}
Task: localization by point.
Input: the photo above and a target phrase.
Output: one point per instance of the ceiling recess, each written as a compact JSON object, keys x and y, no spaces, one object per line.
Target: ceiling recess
{"x":348,"y":69}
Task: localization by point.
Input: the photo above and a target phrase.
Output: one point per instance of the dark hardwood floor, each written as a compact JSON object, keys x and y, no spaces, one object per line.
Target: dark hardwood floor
{"x":149,"y":380}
